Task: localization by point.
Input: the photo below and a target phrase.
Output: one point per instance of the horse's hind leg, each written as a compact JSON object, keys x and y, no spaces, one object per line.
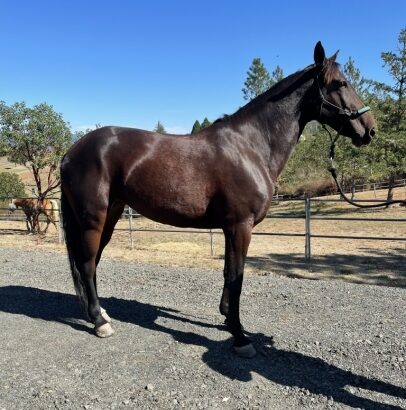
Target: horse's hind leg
{"x":90,"y":229}
{"x":113,"y":216}
{"x":91,"y":242}
{"x":46,"y":228}
{"x":50,"y":220}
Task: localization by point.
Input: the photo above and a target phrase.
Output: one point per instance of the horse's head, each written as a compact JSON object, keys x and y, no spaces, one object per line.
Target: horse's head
{"x":340,"y":106}
{"x":11,"y":206}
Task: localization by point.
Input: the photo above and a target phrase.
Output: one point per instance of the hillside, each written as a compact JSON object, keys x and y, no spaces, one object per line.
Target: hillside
{"x":23,"y":172}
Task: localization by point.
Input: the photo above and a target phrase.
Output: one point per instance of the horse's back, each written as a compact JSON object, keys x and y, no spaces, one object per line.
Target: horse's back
{"x":154,"y":173}
{"x":179,"y":180}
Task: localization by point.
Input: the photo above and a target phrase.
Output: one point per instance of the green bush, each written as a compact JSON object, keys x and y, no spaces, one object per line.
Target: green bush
{"x":11,"y":186}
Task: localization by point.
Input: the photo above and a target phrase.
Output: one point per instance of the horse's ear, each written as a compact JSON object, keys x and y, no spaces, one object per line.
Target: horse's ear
{"x":319,"y":54}
{"x":334,"y":56}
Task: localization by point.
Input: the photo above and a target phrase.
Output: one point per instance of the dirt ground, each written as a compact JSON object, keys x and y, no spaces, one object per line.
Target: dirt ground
{"x":321,"y":345}
{"x":361,"y":261}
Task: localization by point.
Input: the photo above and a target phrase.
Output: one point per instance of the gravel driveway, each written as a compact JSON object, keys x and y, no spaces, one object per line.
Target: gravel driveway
{"x":321,"y":344}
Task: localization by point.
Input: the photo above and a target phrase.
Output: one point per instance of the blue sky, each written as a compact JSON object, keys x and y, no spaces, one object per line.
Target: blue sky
{"x":133,"y":63}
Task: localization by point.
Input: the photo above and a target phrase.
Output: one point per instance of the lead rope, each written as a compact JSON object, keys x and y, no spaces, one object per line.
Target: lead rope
{"x":333,"y":172}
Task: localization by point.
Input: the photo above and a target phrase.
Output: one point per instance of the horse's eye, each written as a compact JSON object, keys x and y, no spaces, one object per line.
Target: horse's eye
{"x":343,"y":84}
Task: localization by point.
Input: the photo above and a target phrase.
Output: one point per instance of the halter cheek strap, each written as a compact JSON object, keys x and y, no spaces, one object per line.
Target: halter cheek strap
{"x":350,"y":115}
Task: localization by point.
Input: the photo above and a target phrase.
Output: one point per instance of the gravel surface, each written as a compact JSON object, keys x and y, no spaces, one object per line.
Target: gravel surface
{"x":321,"y":344}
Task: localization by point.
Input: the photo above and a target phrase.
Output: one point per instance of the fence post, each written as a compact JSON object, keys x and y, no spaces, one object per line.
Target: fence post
{"x":130,"y":217}
{"x":308,"y":253}
{"x":61,"y":232}
{"x":211,"y":243}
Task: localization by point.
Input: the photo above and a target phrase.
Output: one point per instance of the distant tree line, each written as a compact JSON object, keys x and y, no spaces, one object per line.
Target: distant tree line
{"x":197,"y":126}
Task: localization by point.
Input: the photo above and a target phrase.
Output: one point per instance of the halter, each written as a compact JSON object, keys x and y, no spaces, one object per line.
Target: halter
{"x":348,"y":115}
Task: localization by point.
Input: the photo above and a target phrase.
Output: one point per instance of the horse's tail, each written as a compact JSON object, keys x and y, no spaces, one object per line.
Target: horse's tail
{"x":72,"y":240}
{"x":54,"y":211}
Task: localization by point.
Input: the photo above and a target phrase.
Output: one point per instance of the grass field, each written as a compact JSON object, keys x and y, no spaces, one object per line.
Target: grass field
{"x":364,"y":261}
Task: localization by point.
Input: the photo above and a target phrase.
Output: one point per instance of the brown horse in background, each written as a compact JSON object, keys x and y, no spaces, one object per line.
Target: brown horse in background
{"x":33,"y":208}
{"x":222,"y":177}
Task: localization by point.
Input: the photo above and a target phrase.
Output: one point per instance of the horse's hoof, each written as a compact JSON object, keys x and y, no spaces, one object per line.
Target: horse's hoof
{"x":248,"y":351}
{"x":104,"y":330}
{"x":105,"y":316}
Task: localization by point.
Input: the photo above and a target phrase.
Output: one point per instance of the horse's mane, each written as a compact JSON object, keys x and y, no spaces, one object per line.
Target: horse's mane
{"x":330,"y":70}
{"x":274,"y":93}
{"x":285,"y":86}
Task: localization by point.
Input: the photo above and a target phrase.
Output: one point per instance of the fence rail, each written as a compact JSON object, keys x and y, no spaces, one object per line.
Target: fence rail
{"x":374,"y":186}
{"x":306,"y":216}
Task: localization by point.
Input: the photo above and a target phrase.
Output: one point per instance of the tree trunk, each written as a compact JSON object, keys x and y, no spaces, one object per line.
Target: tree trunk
{"x":390,"y":189}
{"x":352,"y":190}
{"x":342,"y":186}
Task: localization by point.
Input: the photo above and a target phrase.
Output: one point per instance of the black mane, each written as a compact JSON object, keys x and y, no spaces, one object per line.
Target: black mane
{"x":277,"y":91}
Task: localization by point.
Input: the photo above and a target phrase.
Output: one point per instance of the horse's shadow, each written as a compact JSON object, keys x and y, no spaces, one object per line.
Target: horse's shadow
{"x":286,"y":368}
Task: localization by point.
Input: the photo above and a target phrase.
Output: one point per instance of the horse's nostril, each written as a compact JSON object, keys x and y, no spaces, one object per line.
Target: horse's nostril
{"x":371,"y":132}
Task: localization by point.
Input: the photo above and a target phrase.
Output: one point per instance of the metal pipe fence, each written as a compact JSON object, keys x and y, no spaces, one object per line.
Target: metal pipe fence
{"x":374,"y":186}
{"x":305,"y":214}
{"x":307,"y":217}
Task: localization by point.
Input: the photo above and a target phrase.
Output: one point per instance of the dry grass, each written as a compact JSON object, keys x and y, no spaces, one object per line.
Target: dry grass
{"x":24,"y":173}
{"x":363,"y":261}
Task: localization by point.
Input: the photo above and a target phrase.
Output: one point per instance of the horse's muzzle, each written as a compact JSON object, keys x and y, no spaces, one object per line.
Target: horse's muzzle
{"x":368,"y":136}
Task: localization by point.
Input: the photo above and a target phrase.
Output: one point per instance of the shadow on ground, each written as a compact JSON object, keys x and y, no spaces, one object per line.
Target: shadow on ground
{"x":286,"y":368}
{"x":386,"y":268}
{"x":14,"y":232}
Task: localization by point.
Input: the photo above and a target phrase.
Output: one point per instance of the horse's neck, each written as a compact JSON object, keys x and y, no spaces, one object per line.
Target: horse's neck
{"x":280,"y":123}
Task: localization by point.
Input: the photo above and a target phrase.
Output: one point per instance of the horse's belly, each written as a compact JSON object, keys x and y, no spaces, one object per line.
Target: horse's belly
{"x":173,"y":208}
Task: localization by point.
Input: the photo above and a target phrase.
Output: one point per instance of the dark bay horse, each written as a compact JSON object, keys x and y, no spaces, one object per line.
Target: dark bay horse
{"x":222,"y":177}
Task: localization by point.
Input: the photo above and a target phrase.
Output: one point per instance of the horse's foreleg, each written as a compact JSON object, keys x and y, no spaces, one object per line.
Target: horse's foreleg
{"x":237,"y":239}
{"x":29,"y":224}
{"x":35,"y":222}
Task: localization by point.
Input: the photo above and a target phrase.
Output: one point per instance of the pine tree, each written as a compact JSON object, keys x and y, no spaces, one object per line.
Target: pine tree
{"x":258,"y":80}
{"x":353,"y":75}
{"x":277,"y":75}
{"x":396,"y":64}
{"x":389,"y":101}
{"x":205,"y":123}
{"x":196,"y":127}
{"x":159,"y":128}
